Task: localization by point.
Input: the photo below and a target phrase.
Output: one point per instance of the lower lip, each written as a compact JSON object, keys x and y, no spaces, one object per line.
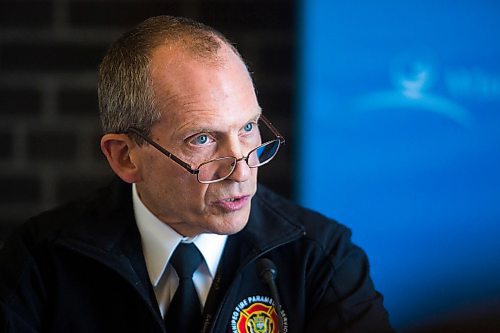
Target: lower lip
{"x":232,"y":206}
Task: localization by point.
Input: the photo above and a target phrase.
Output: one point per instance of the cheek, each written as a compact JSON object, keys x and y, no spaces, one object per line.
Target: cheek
{"x":176,"y":198}
{"x":167,"y":182}
{"x":184,"y":190}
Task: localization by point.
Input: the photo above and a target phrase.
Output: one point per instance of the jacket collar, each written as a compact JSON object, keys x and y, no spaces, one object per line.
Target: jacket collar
{"x":269,"y":225}
{"x":106,"y":221}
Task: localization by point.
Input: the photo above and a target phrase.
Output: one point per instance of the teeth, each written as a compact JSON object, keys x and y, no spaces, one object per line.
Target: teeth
{"x":230,"y":200}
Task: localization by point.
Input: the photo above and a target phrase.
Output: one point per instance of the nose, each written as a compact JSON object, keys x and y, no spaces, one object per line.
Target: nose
{"x":241,"y":171}
{"x":239,"y":149}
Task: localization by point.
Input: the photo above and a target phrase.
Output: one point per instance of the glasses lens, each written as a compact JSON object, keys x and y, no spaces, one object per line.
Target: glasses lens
{"x":263,"y":154}
{"x":217,"y":169}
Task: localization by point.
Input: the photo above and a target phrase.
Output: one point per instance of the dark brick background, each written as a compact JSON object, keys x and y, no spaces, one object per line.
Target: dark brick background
{"x":49,"y":52}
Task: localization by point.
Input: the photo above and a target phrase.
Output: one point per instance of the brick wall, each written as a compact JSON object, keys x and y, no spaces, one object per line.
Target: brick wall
{"x":49,"y":52}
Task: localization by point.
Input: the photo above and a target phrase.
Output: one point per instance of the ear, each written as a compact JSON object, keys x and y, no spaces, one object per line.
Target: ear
{"x":119,"y":150}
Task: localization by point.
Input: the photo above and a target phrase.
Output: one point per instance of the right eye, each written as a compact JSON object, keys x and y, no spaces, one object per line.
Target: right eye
{"x":201,"y":140}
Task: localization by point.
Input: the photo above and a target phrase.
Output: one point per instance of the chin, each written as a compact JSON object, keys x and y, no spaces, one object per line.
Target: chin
{"x":229,"y":225}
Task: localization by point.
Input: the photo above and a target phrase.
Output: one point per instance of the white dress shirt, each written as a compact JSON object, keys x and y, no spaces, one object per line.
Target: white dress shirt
{"x":159,"y":242}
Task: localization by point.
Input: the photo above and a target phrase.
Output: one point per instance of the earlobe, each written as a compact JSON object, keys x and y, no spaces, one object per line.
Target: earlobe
{"x":118,"y":149}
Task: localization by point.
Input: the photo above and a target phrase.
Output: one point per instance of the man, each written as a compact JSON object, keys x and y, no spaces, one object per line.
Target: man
{"x":183,"y":133}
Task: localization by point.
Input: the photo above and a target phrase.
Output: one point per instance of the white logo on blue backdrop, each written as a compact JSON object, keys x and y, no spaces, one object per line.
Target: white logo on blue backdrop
{"x":414,"y":73}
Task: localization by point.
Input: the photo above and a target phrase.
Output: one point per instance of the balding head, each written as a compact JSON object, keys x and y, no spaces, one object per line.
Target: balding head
{"x":125,"y":87}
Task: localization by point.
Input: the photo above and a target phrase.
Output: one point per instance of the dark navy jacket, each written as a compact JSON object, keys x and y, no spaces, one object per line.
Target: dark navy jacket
{"x":80,"y":268}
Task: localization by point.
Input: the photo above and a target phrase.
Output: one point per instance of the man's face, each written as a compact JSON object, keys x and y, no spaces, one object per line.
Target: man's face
{"x":209,"y":110}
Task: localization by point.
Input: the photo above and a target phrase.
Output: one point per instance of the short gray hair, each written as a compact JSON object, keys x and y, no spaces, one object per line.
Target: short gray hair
{"x":124,"y":84}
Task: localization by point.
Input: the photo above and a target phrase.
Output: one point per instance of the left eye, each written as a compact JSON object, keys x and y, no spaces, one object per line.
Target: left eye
{"x":248,"y":127}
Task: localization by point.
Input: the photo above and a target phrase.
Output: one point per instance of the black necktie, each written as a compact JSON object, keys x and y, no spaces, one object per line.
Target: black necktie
{"x":184,"y":312}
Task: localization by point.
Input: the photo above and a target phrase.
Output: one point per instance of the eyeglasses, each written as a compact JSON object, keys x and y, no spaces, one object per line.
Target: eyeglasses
{"x":221,"y":168}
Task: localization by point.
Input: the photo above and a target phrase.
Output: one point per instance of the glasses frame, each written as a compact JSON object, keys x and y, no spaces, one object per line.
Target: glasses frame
{"x":196,"y":171}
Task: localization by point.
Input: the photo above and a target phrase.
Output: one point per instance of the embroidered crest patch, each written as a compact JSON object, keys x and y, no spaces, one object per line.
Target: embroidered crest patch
{"x":256,"y":314}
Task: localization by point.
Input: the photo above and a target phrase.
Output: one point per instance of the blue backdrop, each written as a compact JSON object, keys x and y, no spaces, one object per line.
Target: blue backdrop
{"x":400,"y":140}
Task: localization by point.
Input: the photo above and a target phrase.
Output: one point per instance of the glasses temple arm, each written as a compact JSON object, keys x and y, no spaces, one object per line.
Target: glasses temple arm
{"x":273,"y":129}
{"x":162,"y":150}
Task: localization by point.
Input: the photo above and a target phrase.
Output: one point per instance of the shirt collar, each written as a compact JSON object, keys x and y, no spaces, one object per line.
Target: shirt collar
{"x":159,"y":241}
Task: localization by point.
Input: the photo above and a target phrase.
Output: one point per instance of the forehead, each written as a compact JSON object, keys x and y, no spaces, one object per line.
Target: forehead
{"x":191,"y":91}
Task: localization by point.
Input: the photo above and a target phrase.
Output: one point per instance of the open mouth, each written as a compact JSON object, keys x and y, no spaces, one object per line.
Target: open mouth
{"x":233,"y":203}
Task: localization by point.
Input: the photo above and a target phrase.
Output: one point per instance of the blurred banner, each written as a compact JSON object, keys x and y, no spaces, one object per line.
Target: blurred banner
{"x":400,"y":140}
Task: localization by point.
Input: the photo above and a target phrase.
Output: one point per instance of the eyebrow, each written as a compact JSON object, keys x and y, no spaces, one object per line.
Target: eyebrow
{"x":203,"y":129}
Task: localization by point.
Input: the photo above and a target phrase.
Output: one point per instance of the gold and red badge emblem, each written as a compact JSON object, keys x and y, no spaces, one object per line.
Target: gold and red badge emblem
{"x":255,"y":314}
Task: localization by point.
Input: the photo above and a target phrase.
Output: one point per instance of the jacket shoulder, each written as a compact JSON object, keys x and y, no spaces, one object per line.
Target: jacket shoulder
{"x":47,"y":226}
